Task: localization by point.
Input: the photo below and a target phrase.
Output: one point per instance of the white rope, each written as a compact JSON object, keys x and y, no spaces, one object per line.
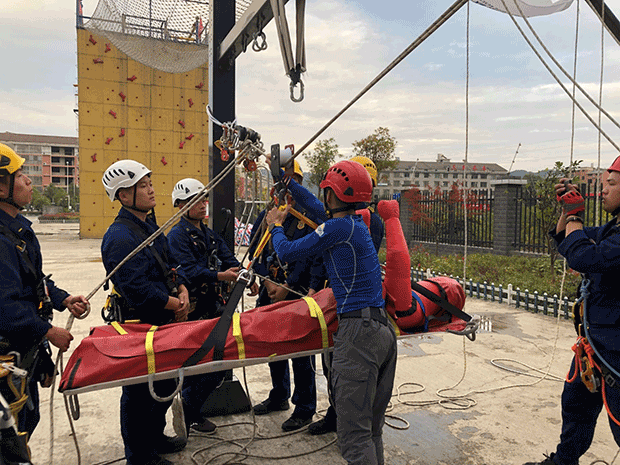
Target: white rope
{"x":465,"y":189}
{"x":597,"y":211}
{"x":572,"y":133}
{"x":558,"y":80}
{"x":425,"y":35}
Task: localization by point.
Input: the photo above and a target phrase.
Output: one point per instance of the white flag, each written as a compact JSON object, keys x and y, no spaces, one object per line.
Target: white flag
{"x":528,"y":7}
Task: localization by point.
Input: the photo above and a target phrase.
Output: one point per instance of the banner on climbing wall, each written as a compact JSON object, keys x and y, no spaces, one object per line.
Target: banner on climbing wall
{"x":527,"y":7}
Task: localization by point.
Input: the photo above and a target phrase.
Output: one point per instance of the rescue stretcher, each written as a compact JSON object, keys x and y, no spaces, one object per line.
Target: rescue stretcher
{"x":117,"y":355}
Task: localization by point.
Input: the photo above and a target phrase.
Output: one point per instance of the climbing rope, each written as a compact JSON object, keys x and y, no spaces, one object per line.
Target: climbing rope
{"x":542,"y":60}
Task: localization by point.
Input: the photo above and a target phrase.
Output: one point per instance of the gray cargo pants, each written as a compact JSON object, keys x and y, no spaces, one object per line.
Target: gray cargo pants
{"x":363,"y":371}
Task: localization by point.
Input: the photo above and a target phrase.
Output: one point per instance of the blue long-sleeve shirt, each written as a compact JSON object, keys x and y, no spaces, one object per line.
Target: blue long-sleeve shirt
{"x":298,"y":270}
{"x":141,"y":280}
{"x":19,"y":301}
{"x":349,"y":255}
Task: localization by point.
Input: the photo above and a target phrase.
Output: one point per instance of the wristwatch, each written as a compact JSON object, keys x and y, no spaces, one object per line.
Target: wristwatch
{"x":274,"y":225}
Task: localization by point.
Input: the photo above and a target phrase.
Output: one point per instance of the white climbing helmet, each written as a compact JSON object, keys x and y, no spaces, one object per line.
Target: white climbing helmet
{"x":122,"y":174}
{"x":185,"y":189}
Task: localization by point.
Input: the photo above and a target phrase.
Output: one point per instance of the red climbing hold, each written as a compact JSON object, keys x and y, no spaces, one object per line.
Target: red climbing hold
{"x":163,"y":161}
{"x":108,"y":140}
{"x":93,"y":157}
{"x":92,"y":40}
{"x":113,"y":113}
{"x":97,"y":61}
{"x":122,"y":132}
{"x":107,"y":48}
{"x":132,"y":78}
{"x":201,"y":85}
{"x":190,"y":137}
{"x":123,"y":96}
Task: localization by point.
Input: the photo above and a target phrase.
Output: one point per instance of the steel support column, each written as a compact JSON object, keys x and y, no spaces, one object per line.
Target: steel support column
{"x":222,"y":103}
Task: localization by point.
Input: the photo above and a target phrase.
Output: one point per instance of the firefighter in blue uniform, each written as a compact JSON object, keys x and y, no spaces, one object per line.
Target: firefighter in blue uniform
{"x":595,"y":253}
{"x":377,"y":231}
{"x":208,"y":263}
{"x":153,"y":292}
{"x":364,"y":362}
{"x":25,"y":303}
{"x":296,"y":278}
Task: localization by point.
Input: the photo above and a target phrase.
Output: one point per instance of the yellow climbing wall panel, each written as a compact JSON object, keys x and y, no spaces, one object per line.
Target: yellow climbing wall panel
{"x":128,"y":110}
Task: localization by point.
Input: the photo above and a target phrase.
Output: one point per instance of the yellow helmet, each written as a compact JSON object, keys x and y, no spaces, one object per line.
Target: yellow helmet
{"x":296,"y":169}
{"x":10,"y":162}
{"x":370,"y":167}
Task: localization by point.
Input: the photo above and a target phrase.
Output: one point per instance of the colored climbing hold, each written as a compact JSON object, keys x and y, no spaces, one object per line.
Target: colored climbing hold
{"x":181,"y":144}
{"x":113,"y":113}
{"x":107,"y":48}
{"x":92,"y":40}
{"x":163,"y":161}
{"x":97,"y":61}
{"x":201,"y":85}
{"x":132,"y":78}
{"x":108,"y":140}
{"x":191,"y":102}
{"x":182,"y":123}
{"x":190,"y":137}
{"x":93,"y":157}
{"x":122,"y":132}
{"x":123,"y":96}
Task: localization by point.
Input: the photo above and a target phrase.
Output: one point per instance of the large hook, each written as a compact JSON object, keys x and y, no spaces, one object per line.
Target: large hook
{"x":256,"y":46}
{"x":301,"y":91}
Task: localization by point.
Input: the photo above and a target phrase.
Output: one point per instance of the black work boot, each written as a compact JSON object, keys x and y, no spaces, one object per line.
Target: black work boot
{"x":325,"y":425}
{"x":548,"y":460}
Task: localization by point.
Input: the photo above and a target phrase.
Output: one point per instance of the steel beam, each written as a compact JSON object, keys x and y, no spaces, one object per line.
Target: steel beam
{"x":253,"y":20}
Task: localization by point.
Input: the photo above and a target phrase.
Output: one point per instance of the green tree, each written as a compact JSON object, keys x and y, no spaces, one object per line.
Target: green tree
{"x":39,"y":200}
{"x":547,"y":207}
{"x":56,"y":195}
{"x":321,"y":158}
{"x":379,"y":147}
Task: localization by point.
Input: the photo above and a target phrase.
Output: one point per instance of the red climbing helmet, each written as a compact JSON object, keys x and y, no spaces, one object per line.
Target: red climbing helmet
{"x":615,"y":166}
{"x":350,"y":181}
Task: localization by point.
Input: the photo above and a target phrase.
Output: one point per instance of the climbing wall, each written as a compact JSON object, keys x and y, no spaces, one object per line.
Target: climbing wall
{"x":128,"y":110}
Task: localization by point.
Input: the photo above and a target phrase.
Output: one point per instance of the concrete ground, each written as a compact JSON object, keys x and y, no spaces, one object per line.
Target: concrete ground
{"x":511,"y":416}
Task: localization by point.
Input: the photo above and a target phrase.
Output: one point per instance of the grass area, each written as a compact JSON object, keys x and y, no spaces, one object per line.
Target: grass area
{"x":531,"y":273}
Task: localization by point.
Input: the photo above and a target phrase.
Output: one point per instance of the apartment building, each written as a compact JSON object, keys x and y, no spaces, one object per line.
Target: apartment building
{"x":441,"y":173}
{"x":49,"y":159}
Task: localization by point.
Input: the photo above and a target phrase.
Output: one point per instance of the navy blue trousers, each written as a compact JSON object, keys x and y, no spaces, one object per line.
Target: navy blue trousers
{"x":143,"y":419}
{"x":580,"y":410}
{"x":304,"y":395}
{"x":196,"y":389}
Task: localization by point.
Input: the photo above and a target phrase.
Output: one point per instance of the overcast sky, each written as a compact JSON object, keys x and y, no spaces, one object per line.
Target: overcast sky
{"x":512,"y":98}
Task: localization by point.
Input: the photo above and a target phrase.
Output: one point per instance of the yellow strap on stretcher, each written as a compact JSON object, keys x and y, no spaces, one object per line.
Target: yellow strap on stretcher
{"x":150,"y":353}
{"x":117,"y":326}
{"x":394,"y":325}
{"x":316,"y":312}
{"x":236,"y":321}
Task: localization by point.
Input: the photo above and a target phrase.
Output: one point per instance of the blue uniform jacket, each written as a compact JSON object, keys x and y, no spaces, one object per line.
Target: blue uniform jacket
{"x":19,"y":301}
{"x":298,"y":272}
{"x":595,"y":252}
{"x":141,"y":280}
{"x":349,"y":256}
{"x":192,"y":246}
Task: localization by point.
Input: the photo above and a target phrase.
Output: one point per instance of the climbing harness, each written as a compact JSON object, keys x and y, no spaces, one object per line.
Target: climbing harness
{"x":595,"y":372}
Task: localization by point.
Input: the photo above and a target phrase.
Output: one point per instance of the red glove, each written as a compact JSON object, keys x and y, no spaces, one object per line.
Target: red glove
{"x":573,"y":204}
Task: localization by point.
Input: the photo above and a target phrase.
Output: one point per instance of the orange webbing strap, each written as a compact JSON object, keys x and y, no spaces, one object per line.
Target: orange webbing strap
{"x":316,"y":312}
{"x":150,"y":353}
{"x":236,"y":324}
{"x":304,"y":219}
{"x":261,"y":245}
